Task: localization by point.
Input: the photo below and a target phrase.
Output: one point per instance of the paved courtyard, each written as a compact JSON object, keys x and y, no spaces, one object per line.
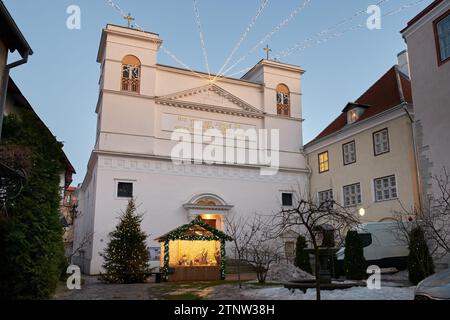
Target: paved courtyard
{"x":93,"y":289}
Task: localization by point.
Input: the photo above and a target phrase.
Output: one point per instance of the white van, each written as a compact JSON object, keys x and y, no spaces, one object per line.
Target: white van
{"x":383,"y":245}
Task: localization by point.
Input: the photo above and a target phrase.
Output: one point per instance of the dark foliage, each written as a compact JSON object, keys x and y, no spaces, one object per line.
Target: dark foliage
{"x":301,"y":256}
{"x":420,"y":262}
{"x":354,"y":261}
{"x":31,"y":244}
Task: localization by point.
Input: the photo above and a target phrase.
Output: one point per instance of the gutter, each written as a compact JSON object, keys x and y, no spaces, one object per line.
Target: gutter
{"x":4,"y":88}
{"x":416,"y":157}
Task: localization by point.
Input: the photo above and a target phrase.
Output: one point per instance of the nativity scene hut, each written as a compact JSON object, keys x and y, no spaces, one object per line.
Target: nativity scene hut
{"x":193,"y":252}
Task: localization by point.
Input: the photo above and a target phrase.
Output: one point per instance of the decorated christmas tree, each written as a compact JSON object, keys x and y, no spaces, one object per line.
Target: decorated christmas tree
{"x":126,"y":256}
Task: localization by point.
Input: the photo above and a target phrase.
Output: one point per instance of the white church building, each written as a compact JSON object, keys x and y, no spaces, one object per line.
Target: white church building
{"x":140,"y":105}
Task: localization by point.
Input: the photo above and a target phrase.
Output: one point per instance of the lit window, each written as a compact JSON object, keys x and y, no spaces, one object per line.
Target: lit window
{"x":286,"y":199}
{"x":385,"y":188}
{"x":283,"y":100}
{"x":131,"y":74}
{"x":352,"y":116}
{"x":442,"y":30}
{"x":325,"y":196}
{"x":211,"y":222}
{"x":352,"y":195}
{"x":349,"y":153}
{"x":124,"y":189}
{"x":323,"y":162}
{"x":381,"y":142}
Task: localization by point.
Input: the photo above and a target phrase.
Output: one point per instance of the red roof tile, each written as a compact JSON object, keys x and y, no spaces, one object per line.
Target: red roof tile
{"x":383,"y":95}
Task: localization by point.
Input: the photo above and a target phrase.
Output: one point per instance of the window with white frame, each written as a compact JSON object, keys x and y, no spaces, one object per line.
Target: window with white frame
{"x":349,"y":152}
{"x":325,"y":196}
{"x":385,"y":188}
{"x":352,"y":195}
{"x":381,"y":142}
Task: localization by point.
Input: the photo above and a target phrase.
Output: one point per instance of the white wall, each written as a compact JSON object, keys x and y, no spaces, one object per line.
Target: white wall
{"x":431,"y":95}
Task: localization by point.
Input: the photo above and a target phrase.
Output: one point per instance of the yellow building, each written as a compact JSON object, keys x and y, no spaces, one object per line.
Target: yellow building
{"x":365,"y":159}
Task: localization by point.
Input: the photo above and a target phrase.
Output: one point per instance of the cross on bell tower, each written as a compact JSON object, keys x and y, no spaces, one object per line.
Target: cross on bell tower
{"x":129,"y":18}
{"x":268,"y":51}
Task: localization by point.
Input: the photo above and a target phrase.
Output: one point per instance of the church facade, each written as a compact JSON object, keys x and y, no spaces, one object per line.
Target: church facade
{"x":142,"y":103}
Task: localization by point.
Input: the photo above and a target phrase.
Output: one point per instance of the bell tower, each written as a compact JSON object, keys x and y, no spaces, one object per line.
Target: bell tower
{"x":127,"y":84}
{"x":119,"y":46}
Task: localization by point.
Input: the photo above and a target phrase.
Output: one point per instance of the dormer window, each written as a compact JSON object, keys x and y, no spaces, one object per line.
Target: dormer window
{"x":283,"y":100}
{"x":352,"y":116}
{"x":354,"y":112}
{"x":131,"y":74}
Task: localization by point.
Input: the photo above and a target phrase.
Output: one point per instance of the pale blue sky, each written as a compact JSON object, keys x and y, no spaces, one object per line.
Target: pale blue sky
{"x":60,"y":80}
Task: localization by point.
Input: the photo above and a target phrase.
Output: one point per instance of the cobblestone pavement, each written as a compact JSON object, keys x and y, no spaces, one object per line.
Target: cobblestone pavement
{"x":394,"y":287}
{"x":93,"y":289}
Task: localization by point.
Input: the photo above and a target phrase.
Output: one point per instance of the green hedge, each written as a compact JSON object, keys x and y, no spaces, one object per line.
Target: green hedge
{"x":31,"y":244}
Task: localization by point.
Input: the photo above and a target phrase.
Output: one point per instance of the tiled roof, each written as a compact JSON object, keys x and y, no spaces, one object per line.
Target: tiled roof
{"x":383,"y":95}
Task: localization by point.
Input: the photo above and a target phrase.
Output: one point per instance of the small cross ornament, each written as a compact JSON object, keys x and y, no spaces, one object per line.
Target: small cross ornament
{"x":129,"y":18}
{"x":268,"y":51}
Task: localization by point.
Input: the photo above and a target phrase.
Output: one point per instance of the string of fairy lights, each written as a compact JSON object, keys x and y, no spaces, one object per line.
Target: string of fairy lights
{"x":317,"y":39}
{"x":252,"y":23}
{"x":268,"y":36}
{"x":331,"y":28}
{"x":326,"y":35}
{"x":209,"y":234}
{"x":200,"y":31}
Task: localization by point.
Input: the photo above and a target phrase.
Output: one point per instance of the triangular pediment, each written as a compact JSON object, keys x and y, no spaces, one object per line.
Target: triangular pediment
{"x":210,"y":98}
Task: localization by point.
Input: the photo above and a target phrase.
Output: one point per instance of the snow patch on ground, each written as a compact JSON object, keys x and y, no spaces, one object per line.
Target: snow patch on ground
{"x":287,"y":272}
{"x":355,"y":293}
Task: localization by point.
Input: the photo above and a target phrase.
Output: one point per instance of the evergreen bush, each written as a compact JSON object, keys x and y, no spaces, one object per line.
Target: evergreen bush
{"x":354,"y":261}
{"x":420,"y":262}
{"x":31,"y":243}
{"x":301,"y":256}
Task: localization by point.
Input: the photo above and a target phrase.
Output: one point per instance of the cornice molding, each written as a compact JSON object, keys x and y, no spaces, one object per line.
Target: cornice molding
{"x":176,"y":100}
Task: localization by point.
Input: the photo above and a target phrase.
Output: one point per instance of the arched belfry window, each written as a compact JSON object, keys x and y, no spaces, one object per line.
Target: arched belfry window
{"x":131,"y":74}
{"x":283,"y":100}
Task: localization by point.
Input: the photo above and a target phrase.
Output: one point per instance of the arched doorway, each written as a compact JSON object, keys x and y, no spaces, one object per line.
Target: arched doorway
{"x":210,"y":207}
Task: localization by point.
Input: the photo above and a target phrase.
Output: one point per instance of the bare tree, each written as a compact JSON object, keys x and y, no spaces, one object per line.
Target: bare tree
{"x":236,"y":228}
{"x":254,"y":244}
{"x":433,"y":217}
{"x":81,"y":245}
{"x":312,"y":216}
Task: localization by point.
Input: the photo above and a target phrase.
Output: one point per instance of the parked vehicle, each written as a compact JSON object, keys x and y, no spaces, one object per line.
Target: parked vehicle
{"x":382,"y":245}
{"x":435,"y":287}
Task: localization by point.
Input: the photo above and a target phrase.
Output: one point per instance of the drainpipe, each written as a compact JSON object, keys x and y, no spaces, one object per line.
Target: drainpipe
{"x":416,"y":157}
{"x":4,"y":88}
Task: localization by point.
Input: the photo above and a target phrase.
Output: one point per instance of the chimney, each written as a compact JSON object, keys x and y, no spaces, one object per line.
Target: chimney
{"x":403,"y":62}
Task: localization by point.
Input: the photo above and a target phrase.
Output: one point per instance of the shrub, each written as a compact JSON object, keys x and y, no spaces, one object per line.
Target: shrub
{"x":31,"y":244}
{"x":354,"y":261}
{"x":301,"y":256}
{"x":420,"y":262}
